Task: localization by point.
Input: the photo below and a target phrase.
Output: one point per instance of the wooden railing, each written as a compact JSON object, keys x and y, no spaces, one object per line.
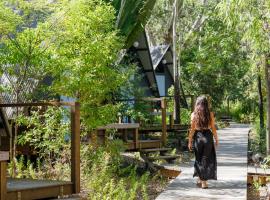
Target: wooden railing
{"x":75,"y":135}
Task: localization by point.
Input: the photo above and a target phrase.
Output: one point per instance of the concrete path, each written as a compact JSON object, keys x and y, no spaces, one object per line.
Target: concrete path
{"x":231,"y":171}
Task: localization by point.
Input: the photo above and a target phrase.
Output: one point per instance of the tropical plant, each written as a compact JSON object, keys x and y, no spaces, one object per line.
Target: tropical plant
{"x":132,"y":15}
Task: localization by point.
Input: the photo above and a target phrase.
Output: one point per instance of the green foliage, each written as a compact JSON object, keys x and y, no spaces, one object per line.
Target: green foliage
{"x":75,"y":43}
{"x":47,"y":132}
{"x":25,"y":53}
{"x":8,"y":20}
{"x":133,"y":93}
{"x":242,"y":113}
{"x":256,"y":185}
{"x":251,"y":17}
{"x":257,"y":138}
{"x":160,"y":22}
{"x":106,"y":178}
{"x":86,"y":49}
{"x":185,"y":116}
{"x":217,"y":64}
{"x":23,"y":170}
{"x":40,"y":169}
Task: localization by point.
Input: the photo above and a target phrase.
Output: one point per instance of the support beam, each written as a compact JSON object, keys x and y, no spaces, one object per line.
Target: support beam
{"x":136,"y":138}
{"x":164,"y":124}
{"x":75,"y":147}
{"x":4,"y":156}
{"x":3,"y":179}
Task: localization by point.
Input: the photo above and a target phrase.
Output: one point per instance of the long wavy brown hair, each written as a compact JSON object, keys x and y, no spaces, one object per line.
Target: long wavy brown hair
{"x":201,"y":114}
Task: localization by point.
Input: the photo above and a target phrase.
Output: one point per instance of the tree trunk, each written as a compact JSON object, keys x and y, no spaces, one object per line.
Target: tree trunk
{"x":228,"y":105}
{"x":176,"y":69}
{"x":267,"y":78}
{"x":260,"y":99}
{"x":260,"y":105}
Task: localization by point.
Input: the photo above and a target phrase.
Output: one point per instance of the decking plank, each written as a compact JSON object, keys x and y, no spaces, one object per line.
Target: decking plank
{"x":231,"y":171}
{"x":26,"y":184}
{"x":26,"y":189}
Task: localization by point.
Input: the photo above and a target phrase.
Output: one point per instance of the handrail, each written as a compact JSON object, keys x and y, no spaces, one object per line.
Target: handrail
{"x":52,"y":103}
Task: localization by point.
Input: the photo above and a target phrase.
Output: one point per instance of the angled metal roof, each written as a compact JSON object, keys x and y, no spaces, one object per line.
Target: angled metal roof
{"x":157,"y":53}
{"x":164,"y":52}
{"x":143,"y":52}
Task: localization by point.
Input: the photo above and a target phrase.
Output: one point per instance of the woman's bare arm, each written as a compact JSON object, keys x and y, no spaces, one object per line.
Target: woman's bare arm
{"x":213,"y":127}
{"x":191,"y":130}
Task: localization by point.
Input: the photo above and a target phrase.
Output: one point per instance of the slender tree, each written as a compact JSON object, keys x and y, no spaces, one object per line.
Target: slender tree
{"x":267,"y":79}
{"x":260,"y":103}
{"x":176,"y":66}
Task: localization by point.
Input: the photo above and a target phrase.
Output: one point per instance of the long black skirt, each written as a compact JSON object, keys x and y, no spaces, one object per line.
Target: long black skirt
{"x":205,"y":165}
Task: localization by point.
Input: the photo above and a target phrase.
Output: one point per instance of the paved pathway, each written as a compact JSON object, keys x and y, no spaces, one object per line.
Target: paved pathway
{"x":231,"y":171}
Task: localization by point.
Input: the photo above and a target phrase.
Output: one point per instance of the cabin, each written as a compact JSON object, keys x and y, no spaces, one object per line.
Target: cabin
{"x":156,"y":71}
{"x":155,"y":68}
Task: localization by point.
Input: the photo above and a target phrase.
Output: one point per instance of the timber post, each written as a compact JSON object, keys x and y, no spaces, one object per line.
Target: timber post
{"x":192,"y":102}
{"x":75,"y":147}
{"x":164,"y":123}
{"x":4,"y":156}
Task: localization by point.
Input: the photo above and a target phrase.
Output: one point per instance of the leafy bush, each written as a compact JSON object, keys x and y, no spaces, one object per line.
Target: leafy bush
{"x":257,"y":140}
{"x":106,"y":178}
{"x":44,"y":169}
{"x":47,"y":132}
{"x":185,"y":116}
{"x":239,"y":111}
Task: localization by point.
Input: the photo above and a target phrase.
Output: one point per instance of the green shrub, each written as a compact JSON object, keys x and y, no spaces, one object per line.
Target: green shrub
{"x":257,"y":141}
{"x":106,"y":178}
{"x":185,"y":116}
{"x":48,"y":133}
{"x":239,"y":111}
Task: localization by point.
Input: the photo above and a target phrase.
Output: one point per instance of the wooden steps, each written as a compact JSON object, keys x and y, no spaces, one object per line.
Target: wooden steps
{"x":226,"y":118}
{"x":158,"y":128}
{"x":155,"y":150}
{"x":168,"y":158}
{"x":143,"y":144}
{"x":146,"y":155}
{"x":169,"y":172}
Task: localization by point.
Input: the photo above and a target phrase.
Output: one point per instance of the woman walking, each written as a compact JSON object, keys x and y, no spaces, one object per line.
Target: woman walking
{"x":201,"y":141}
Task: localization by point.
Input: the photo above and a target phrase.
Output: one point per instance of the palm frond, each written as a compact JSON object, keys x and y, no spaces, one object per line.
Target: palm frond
{"x":132,"y":16}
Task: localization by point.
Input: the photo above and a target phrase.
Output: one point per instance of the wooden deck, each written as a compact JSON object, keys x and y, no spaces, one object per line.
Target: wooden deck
{"x":231,"y":171}
{"x":131,"y":134}
{"x":25,"y":189}
{"x":143,"y":144}
{"x":169,"y":128}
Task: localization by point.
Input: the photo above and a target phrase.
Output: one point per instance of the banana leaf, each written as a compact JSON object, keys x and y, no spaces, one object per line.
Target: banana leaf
{"x":131,"y":17}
